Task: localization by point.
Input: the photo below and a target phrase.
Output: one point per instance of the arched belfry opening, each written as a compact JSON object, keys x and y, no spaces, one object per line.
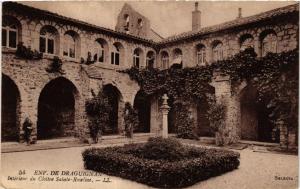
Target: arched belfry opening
{"x":56,"y":109}
{"x":114,"y":98}
{"x":10,"y":122}
{"x":255,"y":123}
{"x":142,"y":104}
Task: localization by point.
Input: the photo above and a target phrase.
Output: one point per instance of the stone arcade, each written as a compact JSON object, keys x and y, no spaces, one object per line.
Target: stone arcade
{"x":55,"y":103}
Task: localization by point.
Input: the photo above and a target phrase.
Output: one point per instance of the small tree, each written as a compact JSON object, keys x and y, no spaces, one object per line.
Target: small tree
{"x":131,"y":119}
{"x":97,"y":109}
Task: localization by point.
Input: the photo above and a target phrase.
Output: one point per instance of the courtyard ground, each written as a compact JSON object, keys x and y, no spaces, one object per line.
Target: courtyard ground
{"x":257,"y":170}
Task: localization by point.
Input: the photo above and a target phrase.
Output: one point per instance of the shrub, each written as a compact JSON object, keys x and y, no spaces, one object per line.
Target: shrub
{"x":131,"y":119}
{"x":55,"y":66}
{"x":97,"y":109}
{"x":27,"y":53}
{"x":196,"y":164}
{"x":165,"y":149}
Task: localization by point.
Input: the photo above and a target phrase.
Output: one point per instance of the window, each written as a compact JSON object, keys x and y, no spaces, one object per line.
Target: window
{"x":47,"y":40}
{"x":136,"y":58}
{"x":201,"y":55}
{"x":177,"y":57}
{"x":218,"y":52}
{"x":69,"y":46}
{"x":98,"y":52}
{"x":165,"y":60}
{"x":115,"y":55}
{"x":9,"y":34}
{"x":269,"y":44}
{"x":150,"y":60}
{"x":246,"y":42}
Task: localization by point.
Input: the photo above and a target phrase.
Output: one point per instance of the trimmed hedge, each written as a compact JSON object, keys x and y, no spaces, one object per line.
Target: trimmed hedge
{"x":195,"y":164}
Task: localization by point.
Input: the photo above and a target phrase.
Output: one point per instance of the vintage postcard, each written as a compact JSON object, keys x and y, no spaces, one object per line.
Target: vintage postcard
{"x":149,"y":94}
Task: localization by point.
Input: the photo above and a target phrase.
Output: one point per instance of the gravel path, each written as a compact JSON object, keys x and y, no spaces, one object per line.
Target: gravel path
{"x":257,"y":171}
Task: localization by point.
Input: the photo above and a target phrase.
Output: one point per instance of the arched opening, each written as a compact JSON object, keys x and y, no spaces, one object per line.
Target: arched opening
{"x":164,"y":60}
{"x":203,"y":124}
{"x":126,"y":25}
{"x":255,"y":124}
{"x":11,"y":32}
{"x":100,"y":50}
{"x":201,"y":55}
{"x":138,"y":57}
{"x":71,"y":46}
{"x":10,"y":123}
{"x":143,"y":105}
{"x":117,"y":54}
{"x":49,"y":40}
{"x":246,"y":41}
{"x":150,"y":60}
{"x":268,"y":39}
{"x":177,"y":56}
{"x":56,"y":109}
{"x":217,"y":51}
{"x":114,"y":97}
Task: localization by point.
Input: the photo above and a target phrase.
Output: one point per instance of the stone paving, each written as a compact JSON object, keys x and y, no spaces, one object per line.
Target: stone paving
{"x":257,"y":170}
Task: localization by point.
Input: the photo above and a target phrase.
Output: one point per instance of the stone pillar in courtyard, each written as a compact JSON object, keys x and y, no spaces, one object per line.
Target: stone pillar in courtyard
{"x":224,"y":95}
{"x":165,"y":110}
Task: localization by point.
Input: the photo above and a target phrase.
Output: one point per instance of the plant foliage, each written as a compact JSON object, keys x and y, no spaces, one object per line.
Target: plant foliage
{"x":131,"y":119}
{"x":97,"y":109}
{"x":27,"y":53}
{"x":275,"y":77}
{"x":55,"y":66}
{"x":182,"y":166}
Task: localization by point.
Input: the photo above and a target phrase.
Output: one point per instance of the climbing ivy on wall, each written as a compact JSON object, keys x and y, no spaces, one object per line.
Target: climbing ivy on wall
{"x":275,"y":77}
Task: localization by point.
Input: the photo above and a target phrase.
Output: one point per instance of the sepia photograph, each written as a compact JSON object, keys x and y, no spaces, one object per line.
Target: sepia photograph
{"x":149,"y":94}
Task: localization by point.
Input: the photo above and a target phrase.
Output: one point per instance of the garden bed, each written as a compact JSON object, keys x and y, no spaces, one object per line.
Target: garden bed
{"x":163,"y":163}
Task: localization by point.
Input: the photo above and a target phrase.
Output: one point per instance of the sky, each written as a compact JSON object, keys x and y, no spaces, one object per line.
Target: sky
{"x":167,"y":17}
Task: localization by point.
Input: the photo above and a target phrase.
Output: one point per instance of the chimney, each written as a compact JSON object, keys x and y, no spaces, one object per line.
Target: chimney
{"x":196,"y":18}
{"x":240,"y":13}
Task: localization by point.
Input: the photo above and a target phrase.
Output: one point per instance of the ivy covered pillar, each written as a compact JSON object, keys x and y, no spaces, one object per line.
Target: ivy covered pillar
{"x":224,"y":96}
{"x":165,"y":110}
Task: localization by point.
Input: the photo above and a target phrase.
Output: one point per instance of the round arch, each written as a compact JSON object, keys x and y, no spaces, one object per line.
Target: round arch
{"x":11,"y":31}
{"x":164,"y":59}
{"x":115,"y":100}
{"x":255,"y":123}
{"x":150,"y":59}
{"x":10,"y":111}
{"x":142,"y":104}
{"x":100,"y":50}
{"x":57,"y":109}
{"x":138,"y":57}
{"x":117,"y":54}
{"x":49,"y":39}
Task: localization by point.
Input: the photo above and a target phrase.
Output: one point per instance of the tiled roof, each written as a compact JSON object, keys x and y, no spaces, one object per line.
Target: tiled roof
{"x":185,"y":35}
{"x":234,"y":23}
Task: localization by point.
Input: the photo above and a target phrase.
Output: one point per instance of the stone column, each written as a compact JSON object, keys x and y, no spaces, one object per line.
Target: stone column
{"x":165,"y":110}
{"x":224,"y":95}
